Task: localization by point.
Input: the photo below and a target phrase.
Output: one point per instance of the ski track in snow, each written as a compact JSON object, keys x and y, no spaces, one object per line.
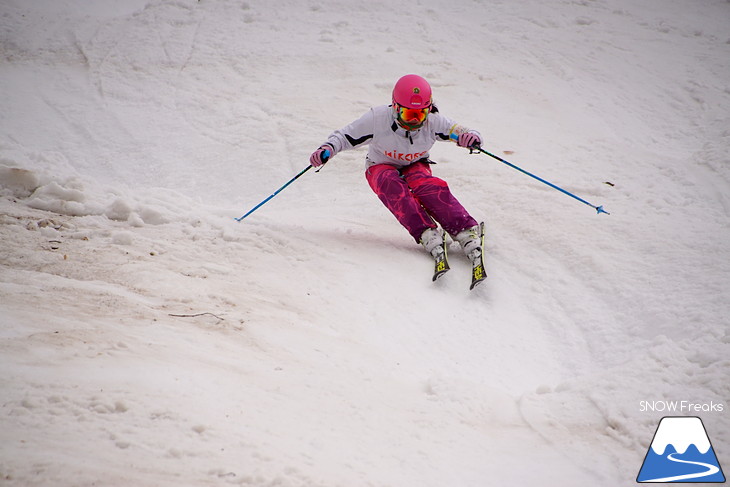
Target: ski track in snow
{"x":147,"y":338}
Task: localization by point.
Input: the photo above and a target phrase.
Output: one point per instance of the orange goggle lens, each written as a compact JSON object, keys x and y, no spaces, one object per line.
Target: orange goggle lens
{"x":413,"y":116}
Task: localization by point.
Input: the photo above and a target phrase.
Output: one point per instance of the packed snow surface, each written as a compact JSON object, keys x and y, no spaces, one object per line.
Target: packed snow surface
{"x":149,"y":339}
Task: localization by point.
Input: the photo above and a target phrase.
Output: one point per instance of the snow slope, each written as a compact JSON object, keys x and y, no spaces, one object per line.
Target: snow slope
{"x":148,"y":339}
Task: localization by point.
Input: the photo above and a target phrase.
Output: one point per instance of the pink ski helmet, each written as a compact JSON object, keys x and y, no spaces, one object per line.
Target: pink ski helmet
{"x":412,"y":101}
{"x":412,"y":91}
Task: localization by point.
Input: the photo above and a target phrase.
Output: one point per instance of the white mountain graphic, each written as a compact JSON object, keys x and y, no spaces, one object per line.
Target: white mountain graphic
{"x":680,"y":432}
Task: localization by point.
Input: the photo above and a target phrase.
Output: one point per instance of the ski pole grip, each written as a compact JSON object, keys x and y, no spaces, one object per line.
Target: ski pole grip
{"x":325,"y":156}
{"x":455,"y":137}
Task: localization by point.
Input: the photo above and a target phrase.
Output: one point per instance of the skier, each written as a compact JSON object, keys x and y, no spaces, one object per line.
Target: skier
{"x":398,"y":169}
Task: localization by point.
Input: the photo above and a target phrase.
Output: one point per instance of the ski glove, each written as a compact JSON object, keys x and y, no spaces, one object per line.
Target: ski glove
{"x":469,"y":139}
{"x":319,"y":157}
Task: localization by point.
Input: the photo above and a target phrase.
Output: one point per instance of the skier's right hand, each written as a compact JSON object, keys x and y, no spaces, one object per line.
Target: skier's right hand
{"x":320,"y":156}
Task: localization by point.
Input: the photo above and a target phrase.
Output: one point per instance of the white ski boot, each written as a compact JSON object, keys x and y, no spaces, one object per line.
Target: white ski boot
{"x":432,"y":241}
{"x":471,"y":242}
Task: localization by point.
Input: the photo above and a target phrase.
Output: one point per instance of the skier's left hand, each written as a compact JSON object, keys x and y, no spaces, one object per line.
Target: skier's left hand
{"x":469,"y":139}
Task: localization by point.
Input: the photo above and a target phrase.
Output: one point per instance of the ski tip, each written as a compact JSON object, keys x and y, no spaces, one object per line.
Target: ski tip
{"x":438,"y":275}
{"x":478,"y":275}
{"x":476,"y":283}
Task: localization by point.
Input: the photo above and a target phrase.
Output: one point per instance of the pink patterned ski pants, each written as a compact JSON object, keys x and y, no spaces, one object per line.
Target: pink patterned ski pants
{"x":417,"y":198}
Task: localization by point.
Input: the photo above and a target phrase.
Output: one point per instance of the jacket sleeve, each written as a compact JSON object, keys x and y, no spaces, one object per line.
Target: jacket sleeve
{"x":445,"y":127}
{"x":357,"y":133}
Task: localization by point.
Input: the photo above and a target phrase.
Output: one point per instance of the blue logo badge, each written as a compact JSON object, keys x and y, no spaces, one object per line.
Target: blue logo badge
{"x":681,"y":452}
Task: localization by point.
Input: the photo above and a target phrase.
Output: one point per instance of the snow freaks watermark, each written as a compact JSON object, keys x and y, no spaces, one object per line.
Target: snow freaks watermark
{"x":681,"y":452}
{"x":681,"y":407}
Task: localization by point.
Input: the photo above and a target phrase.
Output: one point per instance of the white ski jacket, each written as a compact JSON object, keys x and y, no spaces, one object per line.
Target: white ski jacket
{"x":388,"y":142}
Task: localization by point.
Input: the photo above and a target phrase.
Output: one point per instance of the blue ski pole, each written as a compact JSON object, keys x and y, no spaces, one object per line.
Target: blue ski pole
{"x":325,"y":158}
{"x":599,"y":209}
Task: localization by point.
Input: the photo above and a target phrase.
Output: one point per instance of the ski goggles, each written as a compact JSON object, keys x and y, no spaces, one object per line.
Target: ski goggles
{"x":413,"y":117}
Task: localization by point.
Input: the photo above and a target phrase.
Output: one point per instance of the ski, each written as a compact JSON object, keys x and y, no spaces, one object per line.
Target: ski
{"x":478,"y":272}
{"x":442,"y":265}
